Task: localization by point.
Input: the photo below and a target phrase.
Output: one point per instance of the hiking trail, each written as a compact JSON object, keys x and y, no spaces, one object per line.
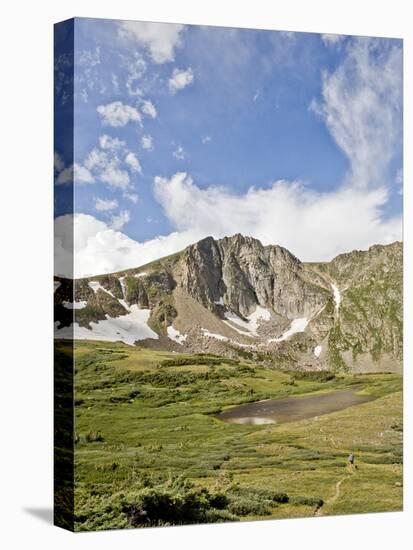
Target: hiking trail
{"x":318,"y":510}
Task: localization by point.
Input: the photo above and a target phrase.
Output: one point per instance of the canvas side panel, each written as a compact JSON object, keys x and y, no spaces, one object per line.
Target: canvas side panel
{"x":63,"y":280}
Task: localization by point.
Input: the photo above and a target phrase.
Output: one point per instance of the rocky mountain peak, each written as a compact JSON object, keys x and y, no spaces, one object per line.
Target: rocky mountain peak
{"x":234,"y":295}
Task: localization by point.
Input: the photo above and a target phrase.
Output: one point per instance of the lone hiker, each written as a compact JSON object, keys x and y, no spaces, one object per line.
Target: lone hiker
{"x":351,"y":461}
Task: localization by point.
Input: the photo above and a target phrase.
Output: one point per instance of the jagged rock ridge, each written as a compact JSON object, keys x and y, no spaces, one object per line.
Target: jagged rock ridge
{"x":234,"y":296}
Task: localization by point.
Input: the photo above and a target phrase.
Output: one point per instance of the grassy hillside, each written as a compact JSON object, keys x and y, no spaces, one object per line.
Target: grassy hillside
{"x":150,"y":452}
{"x":368,"y":333}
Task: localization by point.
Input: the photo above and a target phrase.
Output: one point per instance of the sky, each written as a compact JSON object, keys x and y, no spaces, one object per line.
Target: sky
{"x":180,"y":132}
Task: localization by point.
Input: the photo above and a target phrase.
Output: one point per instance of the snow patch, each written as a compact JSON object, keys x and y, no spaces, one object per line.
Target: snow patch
{"x":337,"y":296}
{"x":56,"y":285}
{"x":220,"y":302}
{"x":175,"y":335}
{"x":259,"y":314}
{"x":123,"y":285}
{"x":225,"y":339}
{"x":297,"y":325}
{"x":75,"y":305}
{"x":95,"y":286}
{"x":318,"y":350}
{"x":213,"y":335}
{"x":127,"y":328}
{"x":252,"y":323}
{"x":237,"y":329}
{"x":137,"y":275}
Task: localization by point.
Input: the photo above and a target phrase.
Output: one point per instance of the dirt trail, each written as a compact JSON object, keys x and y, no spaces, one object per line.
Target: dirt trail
{"x":319,"y":509}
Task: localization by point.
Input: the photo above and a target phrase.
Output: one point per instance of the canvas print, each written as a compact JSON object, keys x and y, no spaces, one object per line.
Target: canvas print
{"x":228,"y":274}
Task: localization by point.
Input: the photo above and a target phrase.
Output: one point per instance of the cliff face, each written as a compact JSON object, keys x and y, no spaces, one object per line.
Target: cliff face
{"x":241,"y":273}
{"x":235,"y":296}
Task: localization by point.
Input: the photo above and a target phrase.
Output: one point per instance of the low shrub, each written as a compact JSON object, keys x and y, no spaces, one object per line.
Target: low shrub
{"x":246,"y":506}
{"x":176,"y":505}
{"x":313,"y":375}
{"x":307,"y":501}
{"x":92,"y":437}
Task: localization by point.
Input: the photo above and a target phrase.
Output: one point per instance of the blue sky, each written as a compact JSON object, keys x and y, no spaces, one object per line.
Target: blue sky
{"x":183,"y":131}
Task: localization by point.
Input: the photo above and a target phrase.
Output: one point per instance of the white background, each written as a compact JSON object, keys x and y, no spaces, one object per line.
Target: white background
{"x":27,"y":257}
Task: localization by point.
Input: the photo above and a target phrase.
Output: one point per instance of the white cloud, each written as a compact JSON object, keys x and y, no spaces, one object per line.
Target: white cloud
{"x":133,"y":197}
{"x":107,"y":142}
{"x":330,"y":39}
{"x":118,"y":114}
{"x":96,"y":159}
{"x":179,"y":153}
{"x":59,"y":163}
{"x":103,"y":205}
{"x":115,"y":83}
{"x":89,"y":58}
{"x":160,"y":39}
{"x":75,"y":174}
{"x":117,"y":222}
{"x":100,"y":249}
{"x":147,"y":142}
{"x":115,"y":176}
{"x":82,"y":174}
{"x":111,"y":163}
{"x":361,"y":107}
{"x":148,"y":108}
{"x":135,"y":66}
{"x":206,"y":139}
{"x":133,"y":162}
{"x":313,"y":225}
{"x":65,"y":176}
{"x":180,"y":79}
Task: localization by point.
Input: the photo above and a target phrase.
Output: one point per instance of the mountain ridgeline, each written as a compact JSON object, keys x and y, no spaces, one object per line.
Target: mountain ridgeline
{"x":236,"y":297}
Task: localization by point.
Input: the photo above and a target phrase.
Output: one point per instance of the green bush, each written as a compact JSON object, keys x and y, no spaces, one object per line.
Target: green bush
{"x":92,"y":437}
{"x":176,"y":505}
{"x":307,"y":501}
{"x":260,"y":502}
{"x":246,"y":506}
{"x":313,"y":375}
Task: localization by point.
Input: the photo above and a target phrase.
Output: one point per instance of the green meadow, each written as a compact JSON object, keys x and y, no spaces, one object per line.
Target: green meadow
{"x":149,"y":450}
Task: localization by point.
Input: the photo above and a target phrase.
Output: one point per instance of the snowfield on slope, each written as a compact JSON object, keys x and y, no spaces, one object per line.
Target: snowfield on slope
{"x":251,"y":325}
{"x":297,"y":325}
{"x":127,"y":328}
{"x":318,"y":350}
{"x":209,"y":334}
{"x":95,"y":286}
{"x":176,"y":336}
{"x":206,"y":332}
{"x":337,"y":295}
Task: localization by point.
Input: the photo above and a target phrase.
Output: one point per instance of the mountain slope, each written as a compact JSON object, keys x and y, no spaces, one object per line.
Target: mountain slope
{"x":234,"y":296}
